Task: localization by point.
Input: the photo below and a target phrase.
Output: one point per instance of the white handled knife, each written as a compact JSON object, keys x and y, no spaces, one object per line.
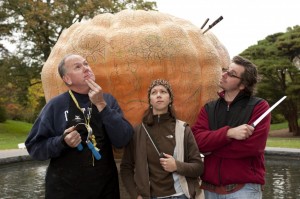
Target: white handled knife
{"x":267,"y":112}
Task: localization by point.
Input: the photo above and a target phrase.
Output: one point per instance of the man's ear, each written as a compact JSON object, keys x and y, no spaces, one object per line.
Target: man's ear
{"x":67,"y":80}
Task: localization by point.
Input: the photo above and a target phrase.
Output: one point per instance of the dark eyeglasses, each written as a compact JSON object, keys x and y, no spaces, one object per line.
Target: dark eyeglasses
{"x":230,"y":73}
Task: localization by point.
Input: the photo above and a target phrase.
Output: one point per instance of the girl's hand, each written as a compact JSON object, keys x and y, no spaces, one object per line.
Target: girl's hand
{"x":168,"y":163}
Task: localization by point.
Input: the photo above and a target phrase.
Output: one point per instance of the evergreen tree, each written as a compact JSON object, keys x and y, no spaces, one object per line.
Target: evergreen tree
{"x":275,"y":57}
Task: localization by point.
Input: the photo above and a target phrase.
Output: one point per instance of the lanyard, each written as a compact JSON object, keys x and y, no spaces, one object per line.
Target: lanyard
{"x":160,"y":154}
{"x":91,"y":146}
{"x":87,"y":120}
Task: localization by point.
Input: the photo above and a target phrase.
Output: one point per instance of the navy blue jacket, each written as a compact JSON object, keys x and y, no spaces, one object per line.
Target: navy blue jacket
{"x":45,"y":138}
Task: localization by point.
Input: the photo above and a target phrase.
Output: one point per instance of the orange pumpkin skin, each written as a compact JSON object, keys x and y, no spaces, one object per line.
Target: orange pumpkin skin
{"x":131,"y":48}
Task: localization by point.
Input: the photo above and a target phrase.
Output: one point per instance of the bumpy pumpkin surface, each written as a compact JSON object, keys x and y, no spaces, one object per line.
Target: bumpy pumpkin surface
{"x":129,"y":49}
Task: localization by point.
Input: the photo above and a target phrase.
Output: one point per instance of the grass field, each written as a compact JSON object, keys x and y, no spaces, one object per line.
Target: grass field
{"x":291,"y":142}
{"x":14,"y":132}
{"x":279,"y":126}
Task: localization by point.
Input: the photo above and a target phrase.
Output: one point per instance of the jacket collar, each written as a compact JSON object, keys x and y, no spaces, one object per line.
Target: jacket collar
{"x":241,"y":95}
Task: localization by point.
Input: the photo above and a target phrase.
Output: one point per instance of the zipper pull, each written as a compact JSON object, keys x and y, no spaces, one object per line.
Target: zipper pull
{"x":228,"y":107}
{"x":158,"y":116}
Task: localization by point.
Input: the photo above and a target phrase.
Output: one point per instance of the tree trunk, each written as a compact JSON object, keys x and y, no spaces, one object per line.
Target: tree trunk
{"x":291,"y":116}
{"x":293,"y":125}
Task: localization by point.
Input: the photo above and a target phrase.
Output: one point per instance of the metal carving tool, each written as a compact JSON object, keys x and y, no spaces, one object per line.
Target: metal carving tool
{"x":267,"y":112}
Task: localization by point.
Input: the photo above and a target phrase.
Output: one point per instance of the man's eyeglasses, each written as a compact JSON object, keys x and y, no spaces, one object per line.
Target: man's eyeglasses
{"x":230,"y":73}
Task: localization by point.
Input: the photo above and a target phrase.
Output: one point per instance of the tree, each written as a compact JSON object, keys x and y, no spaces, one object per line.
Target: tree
{"x":15,"y":79}
{"x":41,"y":22}
{"x":37,"y":25}
{"x":275,"y":57}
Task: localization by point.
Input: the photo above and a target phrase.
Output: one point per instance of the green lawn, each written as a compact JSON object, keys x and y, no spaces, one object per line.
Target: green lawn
{"x":279,"y":126}
{"x":291,"y":142}
{"x":14,"y":132}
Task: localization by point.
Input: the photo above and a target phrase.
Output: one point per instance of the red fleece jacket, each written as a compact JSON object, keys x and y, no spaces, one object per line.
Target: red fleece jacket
{"x":230,"y":161}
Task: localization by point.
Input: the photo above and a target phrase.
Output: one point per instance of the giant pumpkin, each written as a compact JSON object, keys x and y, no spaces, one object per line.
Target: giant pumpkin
{"x":129,"y":49}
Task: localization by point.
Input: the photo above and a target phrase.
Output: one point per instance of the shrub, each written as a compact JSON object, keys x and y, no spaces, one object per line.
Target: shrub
{"x":14,"y":111}
{"x":277,"y":118}
{"x":3,"y":116}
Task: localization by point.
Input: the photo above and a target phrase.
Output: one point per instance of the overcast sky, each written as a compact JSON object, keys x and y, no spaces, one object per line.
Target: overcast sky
{"x":244,"y":21}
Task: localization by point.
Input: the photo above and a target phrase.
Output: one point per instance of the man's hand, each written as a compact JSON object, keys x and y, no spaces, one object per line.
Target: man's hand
{"x":96,"y":95}
{"x":241,"y":132}
{"x":72,"y":138}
